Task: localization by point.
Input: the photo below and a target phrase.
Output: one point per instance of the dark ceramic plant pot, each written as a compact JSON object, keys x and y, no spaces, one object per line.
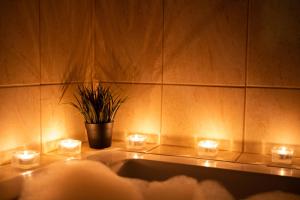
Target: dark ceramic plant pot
{"x":99,"y":135}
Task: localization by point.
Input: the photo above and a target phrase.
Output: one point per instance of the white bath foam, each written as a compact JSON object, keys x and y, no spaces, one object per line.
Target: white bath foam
{"x":79,"y":180}
{"x":175,"y":188}
{"x":276,"y":195}
{"x":90,"y":180}
{"x":140,"y":184}
{"x":209,"y":189}
{"x":182,"y":188}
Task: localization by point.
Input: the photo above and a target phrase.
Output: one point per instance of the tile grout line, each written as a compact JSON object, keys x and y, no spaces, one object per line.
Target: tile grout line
{"x":152,"y":148}
{"x":238,"y":157}
{"x":149,"y":83}
{"x":162,"y":68}
{"x":93,"y":39}
{"x":40,"y":88}
{"x":246,"y":76}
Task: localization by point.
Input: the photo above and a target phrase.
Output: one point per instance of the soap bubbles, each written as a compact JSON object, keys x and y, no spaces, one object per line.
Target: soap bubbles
{"x":276,"y":195}
{"x":91,"y":180}
{"x":79,"y":180}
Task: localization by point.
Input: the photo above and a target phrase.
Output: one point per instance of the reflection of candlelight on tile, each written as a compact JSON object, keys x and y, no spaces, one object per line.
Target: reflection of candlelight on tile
{"x":207,"y":148}
{"x":209,"y":163}
{"x":137,"y":156}
{"x":282,"y":154}
{"x":25,"y":159}
{"x":136,"y":141}
{"x":282,"y":172}
{"x":27,"y":174}
{"x":69,"y":146}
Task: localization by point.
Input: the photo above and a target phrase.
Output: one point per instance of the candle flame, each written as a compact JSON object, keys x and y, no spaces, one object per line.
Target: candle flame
{"x":283,"y":150}
{"x":209,"y":144}
{"x":69,"y":143}
{"x":137,"y":138}
{"x":26,"y":154}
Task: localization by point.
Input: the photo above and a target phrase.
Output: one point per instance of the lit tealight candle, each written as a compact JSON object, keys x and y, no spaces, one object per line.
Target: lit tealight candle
{"x":69,"y":146}
{"x":282,"y":154}
{"x":209,"y":163}
{"x":208,"y":148}
{"x":25,"y":159}
{"x":136,"y":141}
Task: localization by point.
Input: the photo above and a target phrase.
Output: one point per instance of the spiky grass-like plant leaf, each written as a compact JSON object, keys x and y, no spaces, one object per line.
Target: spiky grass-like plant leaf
{"x":97,"y":105}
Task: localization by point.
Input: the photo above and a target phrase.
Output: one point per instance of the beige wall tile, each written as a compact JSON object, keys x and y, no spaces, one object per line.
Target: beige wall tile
{"x":205,"y":42}
{"x":20,"y":118}
{"x":208,"y":112}
{"x":66,"y":40}
{"x":128,"y":44}
{"x":272,"y":116}
{"x":274,"y":43}
{"x":59,"y":119}
{"x":19,"y":37}
{"x":141,"y":111}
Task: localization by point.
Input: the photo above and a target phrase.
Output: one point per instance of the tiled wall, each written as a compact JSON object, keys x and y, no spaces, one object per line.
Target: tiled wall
{"x":226,"y":69}
{"x":19,"y":75}
{"x":204,"y":46}
{"x":273,"y":75}
{"x":66,"y":56}
{"x":44,"y":45}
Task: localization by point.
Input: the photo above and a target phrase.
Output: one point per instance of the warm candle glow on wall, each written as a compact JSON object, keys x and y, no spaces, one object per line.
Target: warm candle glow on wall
{"x":149,"y":127}
{"x":145,"y":126}
{"x":52,"y":134}
{"x":212,"y":129}
{"x":51,"y":137}
{"x":282,"y":154}
{"x":25,"y":159}
{"x":69,"y":146}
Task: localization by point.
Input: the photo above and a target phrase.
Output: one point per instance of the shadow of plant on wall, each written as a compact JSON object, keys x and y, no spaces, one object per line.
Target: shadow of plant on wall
{"x":190,"y":26}
{"x":132,"y":36}
{"x":128,"y":41}
{"x":80,"y":70}
{"x":19,"y":44}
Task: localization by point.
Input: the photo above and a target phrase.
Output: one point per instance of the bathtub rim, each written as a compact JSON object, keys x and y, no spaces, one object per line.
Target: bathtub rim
{"x":122,"y":156}
{"x":112,"y":158}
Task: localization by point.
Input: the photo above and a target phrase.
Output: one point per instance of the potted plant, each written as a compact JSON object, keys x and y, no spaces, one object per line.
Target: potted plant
{"x":98,"y":106}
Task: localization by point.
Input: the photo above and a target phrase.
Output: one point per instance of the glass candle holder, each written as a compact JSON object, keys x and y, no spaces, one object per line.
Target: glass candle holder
{"x":69,"y":147}
{"x":282,"y":154}
{"x":26,"y":159}
{"x":136,"y":141}
{"x":207,"y":148}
